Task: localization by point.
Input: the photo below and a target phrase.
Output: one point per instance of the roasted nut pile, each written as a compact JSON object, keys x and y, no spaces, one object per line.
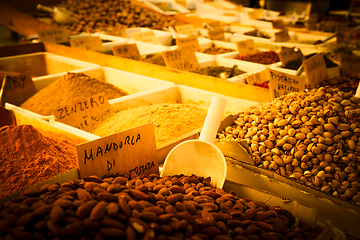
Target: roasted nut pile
{"x":313,"y":137}
{"x":347,"y":83}
{"x":147,"y":207}
{"x":100,"y":15}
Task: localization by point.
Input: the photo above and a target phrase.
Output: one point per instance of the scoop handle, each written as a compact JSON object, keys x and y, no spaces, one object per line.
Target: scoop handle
{"x":44,"y":8}
{"x":213,"y":119}
{"x":4,"y":88}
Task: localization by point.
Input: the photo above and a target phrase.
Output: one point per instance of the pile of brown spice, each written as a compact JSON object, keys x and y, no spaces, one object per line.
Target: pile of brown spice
{"x":28,"y":157}
{"x":68,"y":90}
{"x":170,"y":120}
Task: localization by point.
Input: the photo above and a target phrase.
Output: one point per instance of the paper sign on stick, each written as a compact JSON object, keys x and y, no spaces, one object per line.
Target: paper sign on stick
{"x":278,"y":23}
{"x":92,"y":43}
{"x":258,"y":77}
{"x":132,"y":150}
{"x":186,"y":29}
{"x":246,"y":47}
{"x":349,"y":63}
{"x":282,"y":83}
{"x":287,"y":55}
{"x":315,"y":70}
{"x":21,"y":87}
{"x":85,"y":114}
{"x":182,"y":59}
{"x":191,"y":42}
{"x":127,"y":51}
{"x":147,"y":36}
{"x":282,"y":36}
{"x":54,"y":35}
{"x":217,"y":33}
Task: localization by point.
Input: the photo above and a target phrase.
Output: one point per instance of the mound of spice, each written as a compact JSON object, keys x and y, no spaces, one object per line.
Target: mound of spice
{"x":28,"y":157}
{"x":170,"y":120}
{"x":67,"y":90}
{"x":216,"y":50}
{"x":220,"y":71}
{"x":267,"y":57}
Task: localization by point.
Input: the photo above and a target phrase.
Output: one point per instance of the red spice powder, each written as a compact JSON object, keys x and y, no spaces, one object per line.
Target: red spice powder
{"x":28,"y":157}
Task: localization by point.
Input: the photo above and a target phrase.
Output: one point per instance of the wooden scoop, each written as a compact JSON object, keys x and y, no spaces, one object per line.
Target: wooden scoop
{"x":6,"y":117}
{"x":60,"y":15}
{"x":201,"y":157}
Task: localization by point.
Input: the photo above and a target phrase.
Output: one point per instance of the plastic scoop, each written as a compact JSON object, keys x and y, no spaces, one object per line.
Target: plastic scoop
{"x":6,"y":117}
{"x":201,"y":157}
{"x":60,"y":15}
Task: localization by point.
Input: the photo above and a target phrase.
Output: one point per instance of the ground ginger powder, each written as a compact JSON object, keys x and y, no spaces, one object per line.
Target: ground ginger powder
{"x":170,"y":120}
{"x":67,"y":90}
{"x":28,"y":157}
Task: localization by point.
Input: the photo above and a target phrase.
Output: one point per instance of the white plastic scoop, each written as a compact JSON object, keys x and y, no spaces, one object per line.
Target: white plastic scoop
{"x":201,"y":157}
{"x":60,"y":15}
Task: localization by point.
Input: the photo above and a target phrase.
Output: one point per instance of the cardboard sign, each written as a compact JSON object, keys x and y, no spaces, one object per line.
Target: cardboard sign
{"x":315,"y":70}
{"x":246,"y":47}
{"x":287,"y":55}
{"x":256,"y":14}
{"x":258,"y":77}
{"x":85,"y":114}
{"x":92,"y":43}
{"x":282,"y":36}
{"x":278,"y":23}
{"x":182,"y":59}
{"x":312,"y":21}
{"x":214,"y":24}
{"x":54,"y":35}
{"x":127,"y":51}
{"x":21,"y":87}
{"x":186,"y":29}
{"x":161,"y":5}
{"x":190,"y":42}
{"x":282,"y":83}
{"x":349,"y":63}
{"x":132,"y":150}
{"x":217,"y":33}
{"x":147,"y":36}
{"x":119,"y":31}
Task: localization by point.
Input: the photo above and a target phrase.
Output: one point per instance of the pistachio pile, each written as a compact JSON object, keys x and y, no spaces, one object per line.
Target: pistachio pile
{"x":312,"y":137}
{"x":100,"y":15}
{"x":145,"y":207}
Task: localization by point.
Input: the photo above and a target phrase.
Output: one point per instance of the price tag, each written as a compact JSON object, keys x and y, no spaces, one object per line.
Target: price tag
{"x":282,"y":36}
{"x":21,"y":87}
{"x":349,"y":63}
{"x":147,"y":36}
{"x":119,"y":31}
{"x":255,"y":14}
{"x":315,"y":70}
{"x":287,"y":55}
{"x":161,"y":5}
{"x":217,"y":33}
{"x":214,"y":24}
{"x":246,"y":47}
{"x":186,"y":29}
{"x":54,"y":35}
{"x":282,"y":83}
{"x":92,"y":43}
{"x":86,"y":114}
{"x":182,"y":59}
{"x":132,"y":150}
{"x":278,"y":23}
{"x":190,"y":42}
{"x":312,"y":21}
{"x":127,"y":51}
{"x":258,"y":77}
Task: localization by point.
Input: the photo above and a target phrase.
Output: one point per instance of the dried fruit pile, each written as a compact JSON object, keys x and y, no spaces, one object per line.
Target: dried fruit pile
{"x":268,"y":57}
{"x":147,"y":207}
{"x":346,"y":83}
{"x":312,"y":137}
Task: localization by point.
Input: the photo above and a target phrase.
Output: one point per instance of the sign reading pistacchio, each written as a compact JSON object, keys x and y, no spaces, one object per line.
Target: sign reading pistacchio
{"x":182,"y":59}
{"x":186,"y":29}
{"x":21,"y":87}
{"x":130,"y":51}
{"x":281,"y":83}
{"x":85,"y":114}
{"x":147,"y":36}
{"x":54,"y":35}
{"x":92,"y":43}
{"x":132,"y":150}
{"x":349,"y":63}
{"x":191,"y":42}
{"x":315,"y":70}
{"x":246,"y":47}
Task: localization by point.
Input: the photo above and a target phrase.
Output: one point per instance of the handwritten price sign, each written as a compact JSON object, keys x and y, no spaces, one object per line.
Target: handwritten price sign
{"x":182,"y":59}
